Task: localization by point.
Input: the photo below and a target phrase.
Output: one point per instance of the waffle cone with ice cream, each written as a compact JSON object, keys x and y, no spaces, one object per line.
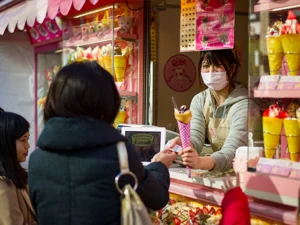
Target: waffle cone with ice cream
{"x":183,"y":117}
{"x":290,"y":37}
{"x":274,"y":46}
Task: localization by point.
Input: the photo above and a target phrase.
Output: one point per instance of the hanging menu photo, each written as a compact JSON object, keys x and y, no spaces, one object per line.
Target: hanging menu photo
{"x":206,"y":25}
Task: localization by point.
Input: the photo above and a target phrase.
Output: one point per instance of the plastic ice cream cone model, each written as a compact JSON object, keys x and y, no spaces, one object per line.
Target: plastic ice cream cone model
{"x":79,"y":55}
{"x":100,"y":58}
{"x":272,"y":127}
{"x":107,"y":57}
{"x":292,"y":133}
{"x":120,"y":61}
{"x":183,"y":117}
{"x":121,"y":116}
{"x":275,"y":50}
{"x":290,"y":36}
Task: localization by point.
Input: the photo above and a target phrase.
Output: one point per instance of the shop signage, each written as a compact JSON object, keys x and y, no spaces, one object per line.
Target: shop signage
{"x":207,"y":25}
{"x":180,"y":73}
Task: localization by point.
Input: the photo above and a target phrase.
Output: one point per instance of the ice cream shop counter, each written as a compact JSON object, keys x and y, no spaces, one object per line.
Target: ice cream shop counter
{"x":198,"y":199}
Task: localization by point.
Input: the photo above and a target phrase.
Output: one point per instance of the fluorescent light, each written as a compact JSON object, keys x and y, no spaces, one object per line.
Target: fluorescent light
{"x":63,"y":50}
{"x":94,"y":11}
{"x":94,"y":42}
{"x":286,"y":7}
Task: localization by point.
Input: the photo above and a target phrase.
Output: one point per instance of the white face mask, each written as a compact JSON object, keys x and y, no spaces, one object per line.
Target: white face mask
{"x":215,"y":80}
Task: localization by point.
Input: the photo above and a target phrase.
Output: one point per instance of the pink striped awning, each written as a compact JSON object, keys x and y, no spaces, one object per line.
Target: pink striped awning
{"x":64,"y":6}
{"x":28,"y":11}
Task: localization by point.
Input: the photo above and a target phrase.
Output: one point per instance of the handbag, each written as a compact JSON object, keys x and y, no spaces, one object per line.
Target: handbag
{"x":133,"y":210}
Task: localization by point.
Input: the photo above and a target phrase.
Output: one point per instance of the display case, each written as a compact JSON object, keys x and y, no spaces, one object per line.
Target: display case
{"x":110,"y":34}
{"x":274,"y":88}
{"x":48,"y":62}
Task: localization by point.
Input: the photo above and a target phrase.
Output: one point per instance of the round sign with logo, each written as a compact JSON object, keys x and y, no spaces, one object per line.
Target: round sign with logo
{"x":180,"y":73}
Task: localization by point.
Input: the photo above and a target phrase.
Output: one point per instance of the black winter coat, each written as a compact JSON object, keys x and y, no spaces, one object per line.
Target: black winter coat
{"x":71,"y":174}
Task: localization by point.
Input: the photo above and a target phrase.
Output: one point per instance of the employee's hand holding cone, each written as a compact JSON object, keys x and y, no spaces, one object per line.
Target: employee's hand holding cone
{"x":183,"y":117}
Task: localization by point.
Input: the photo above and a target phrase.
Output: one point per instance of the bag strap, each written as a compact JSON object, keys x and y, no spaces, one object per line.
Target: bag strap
{"x":124,"y":167}
{"x":123,"y":157}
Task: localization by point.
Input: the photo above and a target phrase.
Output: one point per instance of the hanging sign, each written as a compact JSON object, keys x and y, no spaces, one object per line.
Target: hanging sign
{"x":207,"y":25}
{"x":180,"y":73}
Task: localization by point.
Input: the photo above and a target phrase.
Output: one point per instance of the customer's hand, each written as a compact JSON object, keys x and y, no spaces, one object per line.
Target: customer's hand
{"x":228,"y":185}
{"x":166,"y":157}
{"x":190,"y":157}
{"x":175,"y":141}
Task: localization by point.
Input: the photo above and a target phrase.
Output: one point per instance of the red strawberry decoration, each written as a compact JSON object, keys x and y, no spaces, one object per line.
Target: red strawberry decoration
{"x":297,"y":28}
{"x":198,"y":211}
{"x":172,"y":202}
{"x":205,"y":210}
{"x":192,"y":214}
{"x":89,"y":56}
{"x":159,"y":214}
{"x":283,"y":30}
{"x":219,"y":212}
{"x":177,"y":221}
{"x":291,"y":15}
{"x":266,"y":112}
{"x":283,"y":115}
{"x":212,"y":211}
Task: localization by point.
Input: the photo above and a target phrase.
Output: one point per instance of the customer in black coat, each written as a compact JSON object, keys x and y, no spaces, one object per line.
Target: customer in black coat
{"x":71,"y":174}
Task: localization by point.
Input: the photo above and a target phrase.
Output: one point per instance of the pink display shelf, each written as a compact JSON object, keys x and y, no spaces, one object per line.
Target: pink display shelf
{"x":284,"y":214}
{"x":94,"y":40}
{"x":276,"y":93}
{"x":127,"y":93}
{"x":266,"y":5}
{"x":272,"y":188}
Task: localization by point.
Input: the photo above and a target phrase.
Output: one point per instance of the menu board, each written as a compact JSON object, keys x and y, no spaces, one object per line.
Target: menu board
{"x":207,"y":25}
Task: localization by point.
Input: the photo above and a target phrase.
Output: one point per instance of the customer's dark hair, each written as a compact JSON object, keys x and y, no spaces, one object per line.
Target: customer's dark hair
{"x":226,"y":57}
{"x":12,"y":127}
{"x":1,"y":110}
{"x":83,"y":89}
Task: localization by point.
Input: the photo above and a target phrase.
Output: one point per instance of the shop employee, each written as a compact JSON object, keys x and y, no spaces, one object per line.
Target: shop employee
{"x":220,"y":113}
